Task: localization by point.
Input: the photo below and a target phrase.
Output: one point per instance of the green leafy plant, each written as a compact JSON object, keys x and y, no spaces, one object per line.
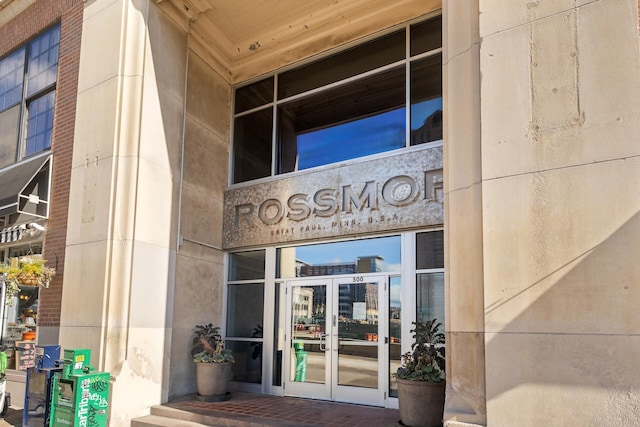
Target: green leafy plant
{"x":208,"y":346}
{"x":426,"y":360}
{"x":257,"y":346}
{"x":26,"y":271}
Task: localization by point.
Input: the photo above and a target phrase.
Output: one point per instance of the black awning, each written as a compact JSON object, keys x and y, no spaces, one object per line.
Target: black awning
{"x":24,"y":187}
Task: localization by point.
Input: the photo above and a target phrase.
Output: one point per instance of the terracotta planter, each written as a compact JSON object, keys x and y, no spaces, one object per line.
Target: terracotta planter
{"x":421,"y":403}
{"x":213,"y":378}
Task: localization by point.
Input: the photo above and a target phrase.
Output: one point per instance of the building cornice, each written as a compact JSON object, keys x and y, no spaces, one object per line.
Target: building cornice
{"x":336,"y":24}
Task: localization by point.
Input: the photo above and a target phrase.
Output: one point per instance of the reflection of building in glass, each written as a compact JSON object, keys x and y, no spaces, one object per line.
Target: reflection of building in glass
{"x":364,"y":264}
{"x":326,"y":269}
{"x":302,"y":306}
{"x":345,"y":301}
{"x":431,"y":129}
{"x":370,"y":264}
{"x":358,"y":292}
{"x":371,"y":298}
{"x":348,"y":293}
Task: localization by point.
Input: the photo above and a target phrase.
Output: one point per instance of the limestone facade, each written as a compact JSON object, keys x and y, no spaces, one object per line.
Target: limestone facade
{"x":541,"y":170}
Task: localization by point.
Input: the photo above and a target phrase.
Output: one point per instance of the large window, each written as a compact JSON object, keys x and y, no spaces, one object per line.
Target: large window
{"x":348,"y":105}
{"x":245,"y":311}
{"x":27,"y":94}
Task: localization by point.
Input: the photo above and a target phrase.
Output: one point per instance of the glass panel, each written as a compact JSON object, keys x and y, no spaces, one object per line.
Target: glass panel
{"x":362,"y":118}
{"x":252,"y":146}
{"x":245,"y":310}
{"x":369,"y":56}
{"x":34,"y":249}
{"x":248,"y":356}
{"x":9,"y":129}
{"x":254,"y":95}
{"x":430,"y":250}
{"x":43,"y":60}
{"x":358,"y":335}
{"x":246,"y":265}
{"x":21,"y":315}
{"x":11,"y":77}
{"x":356,"y":256}
{"x":426,"y":100}
{"x":395,"y":332}
{"x":308,"y":324}
{"x":278,"y":336}
{"x":430,"y":297}
{"x":40,"y":123}
{"x":426,"y":36}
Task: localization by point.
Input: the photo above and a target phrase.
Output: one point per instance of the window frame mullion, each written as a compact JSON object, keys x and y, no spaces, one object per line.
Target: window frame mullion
{"x":274,"y":128}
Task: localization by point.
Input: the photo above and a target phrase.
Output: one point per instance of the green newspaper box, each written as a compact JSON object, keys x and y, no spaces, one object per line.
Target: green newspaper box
{"x":80,"y":394}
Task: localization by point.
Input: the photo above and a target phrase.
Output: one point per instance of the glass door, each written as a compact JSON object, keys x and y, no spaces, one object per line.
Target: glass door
{"x":336,"y":339}
{"x":358,"y":341}
{"x":309,"y":306}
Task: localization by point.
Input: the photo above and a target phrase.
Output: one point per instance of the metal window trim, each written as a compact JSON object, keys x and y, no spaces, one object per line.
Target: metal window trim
{"x":35,"y":165}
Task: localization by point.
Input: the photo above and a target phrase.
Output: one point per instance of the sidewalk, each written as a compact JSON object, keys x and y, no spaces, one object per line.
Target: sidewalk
{"x":13,"y":418}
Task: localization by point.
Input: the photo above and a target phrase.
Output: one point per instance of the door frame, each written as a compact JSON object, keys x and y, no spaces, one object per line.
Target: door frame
{"x":331,"y":390}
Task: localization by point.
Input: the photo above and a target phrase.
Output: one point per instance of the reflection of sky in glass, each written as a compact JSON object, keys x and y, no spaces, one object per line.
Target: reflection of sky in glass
{"x":11,"y":74}
{"x":343,"y":252}
{"x":421,"y":110}
{"x":395,"y":292}
{"x":370,"y":135}
{"x":43,"y":60}
{"x":40,"y":123}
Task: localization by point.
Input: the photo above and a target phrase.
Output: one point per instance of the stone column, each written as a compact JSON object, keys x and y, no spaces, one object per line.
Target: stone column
{"x":561,"y":172}
{"x":123,"y":208}
{"x":465,"y":401}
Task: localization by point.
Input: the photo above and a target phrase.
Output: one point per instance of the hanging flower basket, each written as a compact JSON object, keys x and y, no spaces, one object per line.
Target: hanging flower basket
{"x":28,"y":279}
{"x":25,"y":271}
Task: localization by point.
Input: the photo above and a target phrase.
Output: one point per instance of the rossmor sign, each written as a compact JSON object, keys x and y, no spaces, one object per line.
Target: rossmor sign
{"x":390,"y":193}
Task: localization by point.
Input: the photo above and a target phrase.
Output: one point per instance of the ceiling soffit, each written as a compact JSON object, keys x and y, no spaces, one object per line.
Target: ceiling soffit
{"x":242,"y":39}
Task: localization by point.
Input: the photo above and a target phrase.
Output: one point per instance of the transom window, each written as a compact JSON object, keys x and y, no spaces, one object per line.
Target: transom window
{"x":348,"y":105}
{"x":27,"y":94}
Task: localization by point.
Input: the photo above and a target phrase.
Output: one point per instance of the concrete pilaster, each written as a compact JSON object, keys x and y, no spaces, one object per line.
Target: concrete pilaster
{"x":465,"y":401}
{"x":122,"y":231}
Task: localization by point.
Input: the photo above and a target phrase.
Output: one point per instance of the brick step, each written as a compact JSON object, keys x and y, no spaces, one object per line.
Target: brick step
{"x":158,"y":421}
{"x":165,"y":416}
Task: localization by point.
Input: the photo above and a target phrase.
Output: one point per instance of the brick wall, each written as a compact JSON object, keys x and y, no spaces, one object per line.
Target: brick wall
{"x":32,"y":21}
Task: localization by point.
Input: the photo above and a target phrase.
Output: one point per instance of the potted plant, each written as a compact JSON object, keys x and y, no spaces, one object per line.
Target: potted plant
{"x":421,"y":383}
{"x":213,"y":363}
{"x":26,"y":271}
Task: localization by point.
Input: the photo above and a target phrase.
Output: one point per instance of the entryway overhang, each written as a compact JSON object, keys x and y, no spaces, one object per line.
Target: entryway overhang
{"x":25,"y":188}
{"x":246,"y":38}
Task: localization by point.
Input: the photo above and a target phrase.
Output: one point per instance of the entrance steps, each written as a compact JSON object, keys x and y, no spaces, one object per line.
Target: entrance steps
{"x":260,"y":410}
{"x":164,"y":416}
{"x":168,"y":417}
{"x":157,"y":421}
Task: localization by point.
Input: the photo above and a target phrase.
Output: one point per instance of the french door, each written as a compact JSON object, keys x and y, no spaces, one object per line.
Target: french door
{"x":336,"y":345}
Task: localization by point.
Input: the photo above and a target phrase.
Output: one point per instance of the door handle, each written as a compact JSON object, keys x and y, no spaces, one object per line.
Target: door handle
{"x":323,"y":342}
